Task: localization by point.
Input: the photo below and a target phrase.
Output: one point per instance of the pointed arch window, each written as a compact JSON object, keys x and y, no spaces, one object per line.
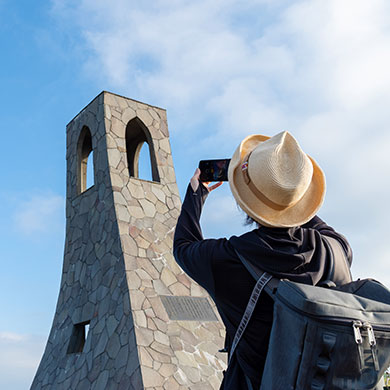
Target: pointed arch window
{"x":85,"y":174}
{"x":141,"y":158}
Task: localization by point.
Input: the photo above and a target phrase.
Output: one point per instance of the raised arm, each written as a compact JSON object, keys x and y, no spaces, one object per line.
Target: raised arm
{"x":191,"y":251}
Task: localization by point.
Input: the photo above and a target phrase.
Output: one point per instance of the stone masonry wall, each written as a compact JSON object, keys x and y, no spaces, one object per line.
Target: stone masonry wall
{"x":118,"y":265}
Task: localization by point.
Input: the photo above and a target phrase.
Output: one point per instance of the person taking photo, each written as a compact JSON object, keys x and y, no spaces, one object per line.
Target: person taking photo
{"x":281,"y":189}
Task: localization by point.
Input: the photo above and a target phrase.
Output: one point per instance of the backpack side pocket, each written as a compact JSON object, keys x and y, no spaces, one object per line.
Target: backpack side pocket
{"x":286,"y":345}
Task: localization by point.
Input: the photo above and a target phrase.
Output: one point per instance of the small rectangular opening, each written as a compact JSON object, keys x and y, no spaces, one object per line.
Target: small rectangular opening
{"x":78,"y":337}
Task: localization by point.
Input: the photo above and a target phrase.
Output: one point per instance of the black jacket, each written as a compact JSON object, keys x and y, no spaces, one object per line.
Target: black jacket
{"x":297,"y":254}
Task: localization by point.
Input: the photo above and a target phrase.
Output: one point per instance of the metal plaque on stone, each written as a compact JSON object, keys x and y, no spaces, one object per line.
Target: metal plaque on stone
{"x":188,"y":308}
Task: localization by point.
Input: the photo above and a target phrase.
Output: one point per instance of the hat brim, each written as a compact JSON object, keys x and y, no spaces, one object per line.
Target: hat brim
{"x":295,"y":215}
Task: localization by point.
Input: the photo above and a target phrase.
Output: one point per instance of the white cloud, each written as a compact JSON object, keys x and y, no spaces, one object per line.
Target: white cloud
{"x":273,"y":70}
{"x":40,"y":214}
{"x":175,"y":51}
{"x":12,"y":337}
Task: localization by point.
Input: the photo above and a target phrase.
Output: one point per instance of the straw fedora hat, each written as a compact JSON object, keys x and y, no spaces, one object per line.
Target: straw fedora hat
{"x":275,"y":182}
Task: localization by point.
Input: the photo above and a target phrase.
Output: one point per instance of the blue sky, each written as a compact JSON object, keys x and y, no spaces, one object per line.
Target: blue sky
{"x":223,"y":70}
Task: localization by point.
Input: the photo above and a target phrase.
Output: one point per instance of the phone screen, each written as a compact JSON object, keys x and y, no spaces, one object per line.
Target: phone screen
{"x":214,"y":170}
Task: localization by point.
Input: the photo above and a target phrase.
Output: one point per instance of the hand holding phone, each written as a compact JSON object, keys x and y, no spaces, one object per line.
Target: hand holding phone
{"x":195,"y":182}
{"x":214,"y":170}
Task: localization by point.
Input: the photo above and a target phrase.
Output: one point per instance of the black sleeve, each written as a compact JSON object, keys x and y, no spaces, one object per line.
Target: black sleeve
{"x":317,"y":223}
{"x":194,"y":254}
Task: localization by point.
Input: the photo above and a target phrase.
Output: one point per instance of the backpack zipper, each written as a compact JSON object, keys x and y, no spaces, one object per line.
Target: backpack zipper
{"x":356,"y":325}
{"x":372,"y":342}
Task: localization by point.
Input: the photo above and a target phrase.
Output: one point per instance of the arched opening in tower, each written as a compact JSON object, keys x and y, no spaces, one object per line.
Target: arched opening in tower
{"x":141,"y":158}
{"x":85,"y":175}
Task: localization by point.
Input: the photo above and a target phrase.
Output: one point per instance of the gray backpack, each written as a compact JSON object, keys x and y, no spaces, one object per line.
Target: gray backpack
{"x":323,"y":338}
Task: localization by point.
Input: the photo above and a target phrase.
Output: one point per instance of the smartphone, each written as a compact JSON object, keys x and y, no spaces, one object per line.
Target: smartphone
{"x":214,"y":170}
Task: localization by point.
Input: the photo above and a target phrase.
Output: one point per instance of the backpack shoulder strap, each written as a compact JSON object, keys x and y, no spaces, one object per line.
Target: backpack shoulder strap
{"x":262,"y":282}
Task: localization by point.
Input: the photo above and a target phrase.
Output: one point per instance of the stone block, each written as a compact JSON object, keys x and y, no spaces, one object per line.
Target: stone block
{"x":179,"y":289}
{"x":136,"y":211}
{"x":160,"y":287}
{"x":145,"y":358}
{"x":101,"y":382}
{"x":114,"y":156}
{"x":152,"y":378}
{"x":111,"y":324}
{"x":168,"y":277}
{"x":161,"y":338}
{"x":133,"y":280}
{"x":140,"y":318}
{"x":113,"y":346}
{"x":158,"y":308}
{"x":129,"y":245}
{"x":123,"y":213}
{"x":136,"y":190}
{"x":137,"y":299}
{"x":127,"y":115}
{"x":163,"y":349}
{"x":145,"y":337}
{"x":145,"y":117}
{"x":148,"y":207}
{"x":186,"y":359}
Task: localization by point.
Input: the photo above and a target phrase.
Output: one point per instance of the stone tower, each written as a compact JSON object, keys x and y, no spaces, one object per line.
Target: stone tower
{"x":127,"y":316}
